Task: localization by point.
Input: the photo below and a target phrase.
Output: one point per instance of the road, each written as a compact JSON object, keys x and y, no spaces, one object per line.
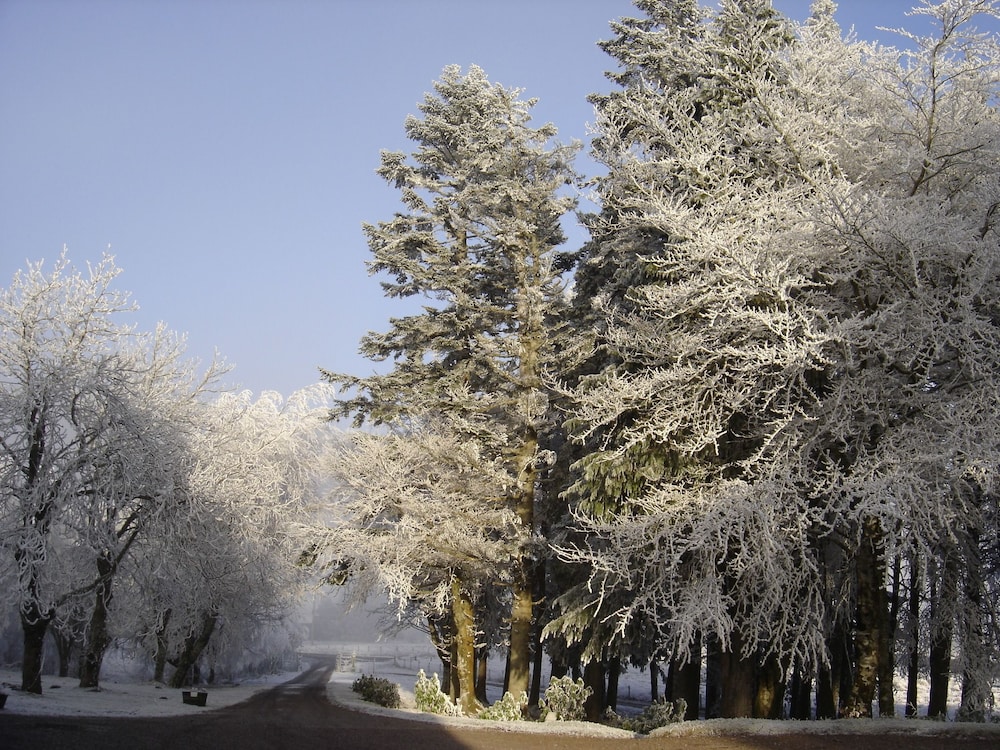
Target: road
{"x":297,"y":716}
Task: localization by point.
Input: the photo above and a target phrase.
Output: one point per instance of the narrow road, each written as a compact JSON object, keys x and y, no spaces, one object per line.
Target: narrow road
{"x":297,"y":716}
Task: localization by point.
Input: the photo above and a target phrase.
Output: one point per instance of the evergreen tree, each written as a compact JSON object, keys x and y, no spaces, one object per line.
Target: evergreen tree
{"x":477,"y":243}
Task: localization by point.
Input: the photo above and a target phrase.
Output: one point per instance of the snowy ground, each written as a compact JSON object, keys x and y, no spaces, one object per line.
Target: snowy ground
{"x":122,"y":694}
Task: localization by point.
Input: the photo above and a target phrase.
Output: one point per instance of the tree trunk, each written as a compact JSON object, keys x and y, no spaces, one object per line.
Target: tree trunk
{"x":614,"y":673}
{"x":96,"y":639}
{"x":977,"y":653}
{"x":160,"y":660}
{"x":713,"y":678}
{"x":801,"y":693}
{"x":194,"y":644}
{"x":830,"y":680}
{"x":769,"y":699}
{"x":464,"y":666}
{"x":871,"y":619}
{"x":63,"y":638}
{"x":737,"y":680}
{"x":687,"y":681}
{"x":913,"y":663}
{"x":482,"y":663}
{"x":943,"y":597}
{"x":593,"y":677}
{"x":654,"y":682}
{"x":33,"y":626}
{"x":440,"y":630}
{"x":518,"y":679}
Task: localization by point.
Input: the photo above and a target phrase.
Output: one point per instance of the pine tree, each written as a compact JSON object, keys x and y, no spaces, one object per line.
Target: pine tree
{"x":483,"y":195}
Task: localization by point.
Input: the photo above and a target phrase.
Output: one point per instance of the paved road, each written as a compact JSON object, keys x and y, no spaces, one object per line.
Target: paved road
{"x":297,"y":716}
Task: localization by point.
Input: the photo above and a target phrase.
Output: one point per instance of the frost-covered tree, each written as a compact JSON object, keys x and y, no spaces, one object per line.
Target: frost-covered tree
{"x":424,"y":517}
{"x":82,"y":448}
{"x":806,"y":372}
{"x":477,"y":244}
{"x":910,"y":451}
{"x":717,"y":348}
{"x":225,"y":567}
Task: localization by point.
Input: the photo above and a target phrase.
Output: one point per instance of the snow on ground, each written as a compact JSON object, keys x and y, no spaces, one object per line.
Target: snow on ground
{"x":122,"y":694}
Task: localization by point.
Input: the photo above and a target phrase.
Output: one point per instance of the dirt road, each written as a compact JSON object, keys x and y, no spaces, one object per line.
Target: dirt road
{"x":297,"y":716}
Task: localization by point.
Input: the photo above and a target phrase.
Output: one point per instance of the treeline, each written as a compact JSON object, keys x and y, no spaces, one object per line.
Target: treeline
{"x":750,"y":425}
{"x":141,"y":505}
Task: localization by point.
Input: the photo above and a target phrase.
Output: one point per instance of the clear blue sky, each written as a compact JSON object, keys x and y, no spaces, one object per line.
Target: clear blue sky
{"x":225,"y":149}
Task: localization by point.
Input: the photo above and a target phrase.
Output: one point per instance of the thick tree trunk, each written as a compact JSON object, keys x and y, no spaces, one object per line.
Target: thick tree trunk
{"x":737,"y":679}
{"x":593,"y":677}
{"x":686,"y":682}
{"x":977,"y":654}
{"x":96,"y":640}
{"x":769,"y":699}
{"x":34,"y":625}
{"x":464,"y":666}
{"x":943,"y":596}
{"x":871,"y":620}
{"x":194,"y":644}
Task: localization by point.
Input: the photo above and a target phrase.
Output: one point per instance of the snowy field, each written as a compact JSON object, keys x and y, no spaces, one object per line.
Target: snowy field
{"x":123,"y":694}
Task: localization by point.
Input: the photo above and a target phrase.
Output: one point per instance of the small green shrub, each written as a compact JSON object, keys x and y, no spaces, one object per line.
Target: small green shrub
{"x":377,"y":690}
{"x":655,"y":715}
{"x":507,"y":708}
{"x":566,"y":698}
{"x":430,"y":699}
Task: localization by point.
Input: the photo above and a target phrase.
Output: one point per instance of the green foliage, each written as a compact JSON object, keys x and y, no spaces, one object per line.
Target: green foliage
{"x":430,"y":699}
{"x":566,"y":698}
{"x":377,"y":690}
{"x":655,"y":715}
{"x":507,"y":708}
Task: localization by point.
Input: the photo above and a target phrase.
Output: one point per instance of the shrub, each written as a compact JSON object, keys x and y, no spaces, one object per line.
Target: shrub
{"x":656,"y":714}
{"x":430,"y":699}
{"x":377,"y":690}
{"x":566,"y":698}
{"x":507,"y":708}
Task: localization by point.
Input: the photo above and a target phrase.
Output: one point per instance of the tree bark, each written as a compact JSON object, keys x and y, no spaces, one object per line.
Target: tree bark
{"x":871,"y":620}
{"x":614,"y":673}
{"x":194,"y":644}
{"x":593,"y":677}
{"x":913,"y":662}
{"x":769,"y":699}
{"x":34,"y":624}
{"x":687,"y":682}
{"x":943,"y":596}
{"x":482,"y":663}
{"x":713,"y":678}
{"x":464,"y":666}
{"x":96,"y":641}
{"x":737,"y":681}
{"x":976,"y":650}
{"x":160,"y":659}
{"x":801,"y":692}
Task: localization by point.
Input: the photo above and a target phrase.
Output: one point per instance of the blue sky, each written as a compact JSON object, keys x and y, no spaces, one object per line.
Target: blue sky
{"x":226,"y":149}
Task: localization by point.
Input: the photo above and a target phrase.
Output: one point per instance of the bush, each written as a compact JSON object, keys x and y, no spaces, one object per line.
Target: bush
{"x":507,"y":708}
{"x":377,"y":690}
{"x":430,"y":699}
{"x":566,"y":698}
{"x":655,"y":715}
